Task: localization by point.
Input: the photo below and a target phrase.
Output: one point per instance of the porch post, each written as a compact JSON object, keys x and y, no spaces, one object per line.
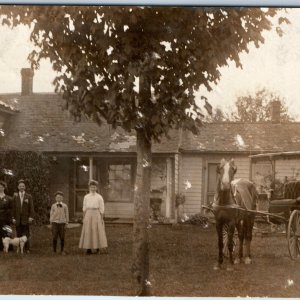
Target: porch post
{"x":169,"y":188}
{"x":91,"y":168}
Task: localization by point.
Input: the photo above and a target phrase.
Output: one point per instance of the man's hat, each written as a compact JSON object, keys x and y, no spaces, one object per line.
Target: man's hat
{"x":59,"y":193}
{"x":21,"y":181}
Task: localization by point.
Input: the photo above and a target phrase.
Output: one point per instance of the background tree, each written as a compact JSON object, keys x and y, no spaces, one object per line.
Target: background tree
{"x":257,"y":108}
{"x":100,"y":52}
{"x":218,"y":115}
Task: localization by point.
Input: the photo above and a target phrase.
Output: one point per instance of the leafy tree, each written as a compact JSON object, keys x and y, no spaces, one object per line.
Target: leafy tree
{"x":100,"y":52}
{"x":217,"y":115}
{"x":258,"y":108}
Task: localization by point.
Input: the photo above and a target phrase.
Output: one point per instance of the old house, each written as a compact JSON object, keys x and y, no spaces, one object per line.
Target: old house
{"x":259,"y":150}
{"x":83,"y":151}
{"x":184,"y":164}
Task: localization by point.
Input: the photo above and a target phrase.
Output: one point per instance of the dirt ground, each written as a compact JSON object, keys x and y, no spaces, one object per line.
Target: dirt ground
{"x":182,"y":259}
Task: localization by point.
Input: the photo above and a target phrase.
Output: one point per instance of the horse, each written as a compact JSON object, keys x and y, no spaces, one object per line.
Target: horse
{"x":230,"y":196}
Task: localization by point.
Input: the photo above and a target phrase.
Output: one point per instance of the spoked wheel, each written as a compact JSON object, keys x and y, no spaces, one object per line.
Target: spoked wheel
{"x":225,"y":240}
{"x":293,"y":235}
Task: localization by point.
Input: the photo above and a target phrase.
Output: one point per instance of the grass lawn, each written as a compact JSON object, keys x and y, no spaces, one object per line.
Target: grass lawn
{"x":182,"y":259}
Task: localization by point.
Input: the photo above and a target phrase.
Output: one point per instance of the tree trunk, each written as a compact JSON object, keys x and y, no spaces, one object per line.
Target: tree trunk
{"x":140,"y":266}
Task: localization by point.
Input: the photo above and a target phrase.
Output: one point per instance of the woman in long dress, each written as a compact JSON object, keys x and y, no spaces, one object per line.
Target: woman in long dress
{"x":93,"y":237}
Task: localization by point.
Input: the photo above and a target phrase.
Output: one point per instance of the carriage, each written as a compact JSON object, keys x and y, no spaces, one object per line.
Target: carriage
{"x":282,"y":210}
{"x":287,"y":210}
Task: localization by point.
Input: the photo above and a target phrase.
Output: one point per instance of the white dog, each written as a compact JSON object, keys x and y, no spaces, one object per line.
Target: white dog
{"x":19,"y":242}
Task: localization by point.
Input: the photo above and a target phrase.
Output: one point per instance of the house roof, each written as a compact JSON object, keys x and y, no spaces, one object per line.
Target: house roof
{"x":42,"y":125}
{"x":244,"y":138}
{"x":39,"y":124}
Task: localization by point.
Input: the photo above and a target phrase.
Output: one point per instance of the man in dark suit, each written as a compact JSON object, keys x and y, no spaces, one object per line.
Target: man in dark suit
{"x":23,"y":212}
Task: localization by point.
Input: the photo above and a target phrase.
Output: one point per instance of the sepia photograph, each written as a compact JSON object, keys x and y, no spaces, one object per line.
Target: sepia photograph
{"x":149,"y":151}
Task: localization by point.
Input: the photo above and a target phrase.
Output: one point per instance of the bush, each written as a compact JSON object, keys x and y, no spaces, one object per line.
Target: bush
{"x":35,"y":169}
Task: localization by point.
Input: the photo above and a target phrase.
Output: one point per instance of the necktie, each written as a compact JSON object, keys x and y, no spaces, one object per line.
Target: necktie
{"x":59,"y":204}
{"x":22,"y":197}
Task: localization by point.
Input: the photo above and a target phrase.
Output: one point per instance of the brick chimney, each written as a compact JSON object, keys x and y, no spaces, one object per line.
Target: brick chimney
{"x":27,"y":81}
{"x":275,"y":111}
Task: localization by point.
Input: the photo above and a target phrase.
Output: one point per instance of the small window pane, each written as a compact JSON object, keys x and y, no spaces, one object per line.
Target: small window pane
{"x":119,"y":187}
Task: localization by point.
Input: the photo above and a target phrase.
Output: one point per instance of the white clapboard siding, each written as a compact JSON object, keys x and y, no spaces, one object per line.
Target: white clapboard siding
{"x":191,"y":168}
{"x":118,"y":210}
{"x":243,"y":167}
{"x":289,"y":168}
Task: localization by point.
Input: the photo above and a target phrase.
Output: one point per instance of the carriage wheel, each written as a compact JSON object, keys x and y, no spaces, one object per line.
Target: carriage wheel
{"x":225,"y":240}
{"x":293,"y":234}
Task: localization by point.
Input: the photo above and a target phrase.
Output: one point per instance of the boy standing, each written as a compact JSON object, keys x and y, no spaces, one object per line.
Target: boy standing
{"x":59,"y":218}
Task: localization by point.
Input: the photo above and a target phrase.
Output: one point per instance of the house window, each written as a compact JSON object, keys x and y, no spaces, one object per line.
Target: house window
{"x":119,"y":182}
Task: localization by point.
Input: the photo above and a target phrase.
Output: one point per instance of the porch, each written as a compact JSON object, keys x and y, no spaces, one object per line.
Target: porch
{"x":116,"y":176}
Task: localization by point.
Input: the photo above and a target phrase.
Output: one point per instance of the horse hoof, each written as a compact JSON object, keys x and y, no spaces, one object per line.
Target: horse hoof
{"x":247,"y":261}
{"x":237,"y":261}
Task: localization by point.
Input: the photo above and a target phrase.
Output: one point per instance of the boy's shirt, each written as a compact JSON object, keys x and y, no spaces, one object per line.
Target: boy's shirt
{"x":59,"y":213}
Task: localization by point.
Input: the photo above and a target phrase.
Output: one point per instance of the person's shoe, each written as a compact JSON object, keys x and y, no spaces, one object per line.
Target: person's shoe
{"x":88,"y":251}
{"x":63,"y":253}
{"x":27,"y":252}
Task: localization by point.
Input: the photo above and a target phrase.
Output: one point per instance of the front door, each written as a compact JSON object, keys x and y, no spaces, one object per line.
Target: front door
{"x":211,"y":182}
{"x":81,"y":180}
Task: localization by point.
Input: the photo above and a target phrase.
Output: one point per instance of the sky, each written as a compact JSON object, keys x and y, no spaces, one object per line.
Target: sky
{"x":275,"y":66}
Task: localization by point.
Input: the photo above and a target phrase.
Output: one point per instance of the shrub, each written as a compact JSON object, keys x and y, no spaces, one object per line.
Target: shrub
{"x":35,"y":169}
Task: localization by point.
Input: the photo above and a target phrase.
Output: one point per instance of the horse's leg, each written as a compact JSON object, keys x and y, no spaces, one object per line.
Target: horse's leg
{"x":219,"y":227}
{"x":231,"y":229}
{"x":249,"y":223}
{"x":240,"y":229}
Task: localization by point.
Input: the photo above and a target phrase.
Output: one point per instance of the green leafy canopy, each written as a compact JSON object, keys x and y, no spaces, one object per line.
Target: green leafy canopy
{"x":101,"y":52}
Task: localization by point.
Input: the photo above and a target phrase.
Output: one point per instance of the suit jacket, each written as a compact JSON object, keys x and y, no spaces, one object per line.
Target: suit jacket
{"x":21,"y":214}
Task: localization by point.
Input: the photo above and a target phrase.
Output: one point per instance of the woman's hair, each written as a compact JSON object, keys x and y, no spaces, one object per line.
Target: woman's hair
{"x":93,"y":182}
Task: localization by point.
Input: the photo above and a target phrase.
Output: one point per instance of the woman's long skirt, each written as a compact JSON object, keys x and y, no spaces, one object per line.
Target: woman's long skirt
{"x":93,"y":231}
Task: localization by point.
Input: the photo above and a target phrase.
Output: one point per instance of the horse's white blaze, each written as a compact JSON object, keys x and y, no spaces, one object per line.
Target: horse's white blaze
{"x":225,"y":179}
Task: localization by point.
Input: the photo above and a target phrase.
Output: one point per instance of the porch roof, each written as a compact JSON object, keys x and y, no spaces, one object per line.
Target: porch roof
{"x":250,"y":138}
{"x":276,"y":154}
{"x":42,"y":125}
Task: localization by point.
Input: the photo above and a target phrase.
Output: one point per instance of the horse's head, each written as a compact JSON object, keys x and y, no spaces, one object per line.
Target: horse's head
{"x":226,"y":170}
